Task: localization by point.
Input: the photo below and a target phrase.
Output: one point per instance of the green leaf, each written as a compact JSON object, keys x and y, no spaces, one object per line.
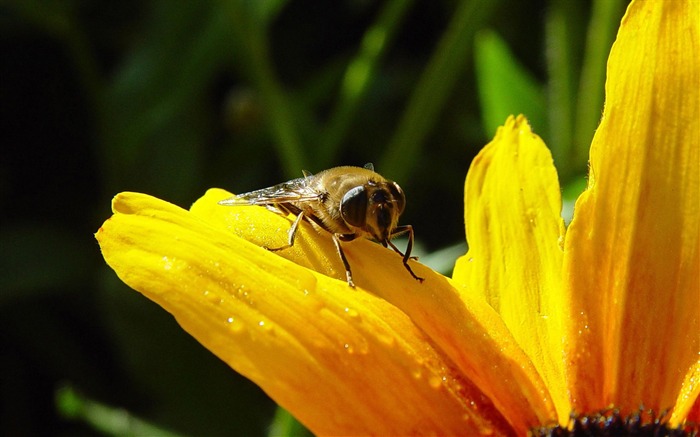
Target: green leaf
{"x":443,"y":260}
{"x":449,"y":60}
{"x":104,"y":418}
{"x":359,"y":75}
{"x":283,"y":123}
{"x":155,"y":112}
{"x":505,"y":86}
{"x":570,"y":194}
{"x":263,"y":12}
{"x":284,"y":424}
{"x":605,"y":19}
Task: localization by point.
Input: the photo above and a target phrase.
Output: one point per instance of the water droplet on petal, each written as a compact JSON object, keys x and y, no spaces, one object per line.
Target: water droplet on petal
{"x":167,"y":263}
{"x":387,"y":340}
{"x":351,"y":312}
{"x":212,"y":297}
{"x":417,"y":373}
{"x":234,"y":325}
{"x":435,"y":381}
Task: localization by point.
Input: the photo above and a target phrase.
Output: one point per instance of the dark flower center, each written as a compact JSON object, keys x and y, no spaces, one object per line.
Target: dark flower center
{"x":610,"y":423}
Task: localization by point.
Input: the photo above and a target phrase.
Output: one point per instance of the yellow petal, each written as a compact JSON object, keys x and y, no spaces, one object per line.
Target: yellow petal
{"x":341,"y":360}
{"x":467,"y":330}
{"x":688,"y":397}
{"x":514,"y":230}
{"x":633,"y":248}
{"x":312,"y":249}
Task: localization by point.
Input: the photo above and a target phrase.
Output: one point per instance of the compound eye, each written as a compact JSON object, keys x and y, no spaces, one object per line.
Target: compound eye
{"x":353,"y":207}
{"x":398,"y":196}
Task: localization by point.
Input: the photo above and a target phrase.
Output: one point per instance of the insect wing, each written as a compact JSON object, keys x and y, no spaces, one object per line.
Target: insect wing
{"x":296,"y":190}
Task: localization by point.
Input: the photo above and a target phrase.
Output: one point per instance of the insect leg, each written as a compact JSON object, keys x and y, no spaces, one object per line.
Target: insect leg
{"x":398,"y":231}
{"x":397,"y":250}
{"x":336,"y":240}
{"x":291,"y":234}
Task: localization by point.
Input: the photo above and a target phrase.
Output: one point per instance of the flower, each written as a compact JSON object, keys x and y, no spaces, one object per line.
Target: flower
{"x":537,"y":321}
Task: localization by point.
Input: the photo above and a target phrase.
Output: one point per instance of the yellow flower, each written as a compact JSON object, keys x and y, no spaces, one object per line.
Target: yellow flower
{"x":537,"y":321}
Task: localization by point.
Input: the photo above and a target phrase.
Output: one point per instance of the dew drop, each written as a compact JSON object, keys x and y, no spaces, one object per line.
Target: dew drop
{"x":435,"y":381}
{"x":212,"y":298}
{"x":417,"y":373}
{"x":266,"y":326}
{"x":484,"y":429}
{"x":351,"y":312}
{"x":167,"y":263}
{"x":235,"y":326}
{"x":318,"y":305}
{"x":387,"y":340}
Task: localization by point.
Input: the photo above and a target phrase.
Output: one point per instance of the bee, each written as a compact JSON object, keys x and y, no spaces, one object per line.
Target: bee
{"x":348,"y":202}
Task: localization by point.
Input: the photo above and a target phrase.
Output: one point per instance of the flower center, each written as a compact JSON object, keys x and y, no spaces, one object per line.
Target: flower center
{"x":610,"y":423}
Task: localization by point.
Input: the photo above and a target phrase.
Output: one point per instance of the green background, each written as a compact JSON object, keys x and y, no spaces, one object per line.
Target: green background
{"x":170,"y":98}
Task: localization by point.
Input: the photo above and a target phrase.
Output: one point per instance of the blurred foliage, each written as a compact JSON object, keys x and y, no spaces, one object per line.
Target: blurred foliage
{"x":171,"y":98}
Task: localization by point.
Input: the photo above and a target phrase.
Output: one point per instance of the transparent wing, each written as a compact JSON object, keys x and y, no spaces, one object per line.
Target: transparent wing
{"x":296,"y":190}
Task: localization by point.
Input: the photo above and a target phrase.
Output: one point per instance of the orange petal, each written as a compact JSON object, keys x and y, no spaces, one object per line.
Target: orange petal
{"x":633,"y":248}
{"x":694,"y":412}
{"x":514,"y":230}
{"x":341,"y":360}
{"x":467,"y":330}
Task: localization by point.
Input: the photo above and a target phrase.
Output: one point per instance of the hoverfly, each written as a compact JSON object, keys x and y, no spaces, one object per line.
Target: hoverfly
{"x":348,"y":202}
